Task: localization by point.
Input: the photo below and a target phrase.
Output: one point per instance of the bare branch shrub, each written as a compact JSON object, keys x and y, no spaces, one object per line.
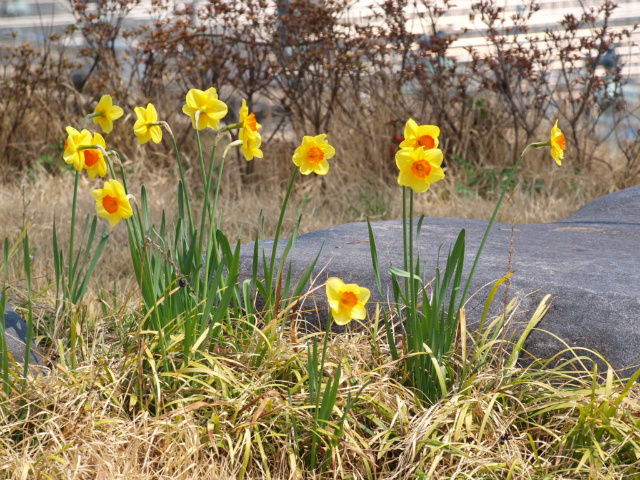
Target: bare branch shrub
{"x":334,"y":66}
{"x":34,"y":91}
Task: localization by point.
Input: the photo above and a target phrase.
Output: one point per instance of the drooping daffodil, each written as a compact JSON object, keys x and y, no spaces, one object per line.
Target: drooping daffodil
{"x":105,"y":113}
{"x":146,"y":127}
{"x":248,"y":133}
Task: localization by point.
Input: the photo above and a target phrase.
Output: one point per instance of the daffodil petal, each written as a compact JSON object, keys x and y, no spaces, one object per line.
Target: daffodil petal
{"x":329,"y":152}
{"x":341,"y":317}
{"x":322,"y":168}
{"x":404,"y":159}
{"x":433,"y":156}
{"x":115,"y":112}
{"x":410,"y":129}
{"x":359,"y":312}
{"x":430,"y":130}
{"x":435,"y":174}
{"x":156,"y":133}
{"x":363,"y":295}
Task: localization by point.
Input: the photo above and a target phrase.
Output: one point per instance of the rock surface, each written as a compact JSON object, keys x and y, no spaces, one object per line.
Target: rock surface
{"x":589,"y":262}
{"x":16,"y":332}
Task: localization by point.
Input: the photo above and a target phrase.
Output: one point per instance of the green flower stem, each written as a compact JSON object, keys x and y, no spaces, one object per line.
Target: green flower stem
{"x":405,"y":251}
{"x":224,"y":130}
{"x":218,"y":137}
{"x":212,"y":219}
{"x":72,"y":232}
{"x":201,"y":157}
{"x":91,"y":116}
{"x":324,"y":351}
{"x":208,"y":177}
{"x":279,"y":228}
{"x":139,"y":223}
{"x":412,"y":294}
{"x":404,"y":227}
{"x":219,"y":180}
{"x":207,"y":211}
{"x":107,"y":156}
{"x":318,"y":389}
{"x":411,"y":313}
{"x":184,"y":183}
{"x":505,"y":187}
{"x":212,"y":211}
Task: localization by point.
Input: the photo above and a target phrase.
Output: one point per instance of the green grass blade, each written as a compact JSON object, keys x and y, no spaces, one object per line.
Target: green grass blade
{"x":4,"y":357}
{"x":57,"y":267}
{"x":376,"y":273}
{"x":535,"y":319}
{"x":27,"y":273}
{"x":94,"y":261}
{"x":487,"y":303}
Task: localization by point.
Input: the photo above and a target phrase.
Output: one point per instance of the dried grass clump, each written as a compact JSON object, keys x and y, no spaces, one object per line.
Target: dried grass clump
{"x":232,"y":420}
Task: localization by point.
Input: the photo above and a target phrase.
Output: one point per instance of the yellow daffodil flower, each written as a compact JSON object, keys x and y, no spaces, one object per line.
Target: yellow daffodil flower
{"x":416,"y":136}
{"x":145,"y":127}
{"x":346,"y":300}
{"x":94,"y":158}
{"x":419,"y":168}
{"x":105,"y":113}
{"x":248,"y":133}
{"x":112,"y":202}
{"x":312,"y":155}
{"x":73,"y":153}
{"x":211,"y":109}
{"x":251,"y":145}
{"x":557,"y":143}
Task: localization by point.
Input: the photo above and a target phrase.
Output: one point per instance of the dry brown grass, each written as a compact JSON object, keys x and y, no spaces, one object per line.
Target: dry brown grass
{"x":85,"y":423}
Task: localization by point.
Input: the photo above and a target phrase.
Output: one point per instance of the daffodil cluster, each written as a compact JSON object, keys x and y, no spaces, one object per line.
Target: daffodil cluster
{"x":205,"y":110}
{"x":82,"y":150}
{"x":87,"y":151}
{"x":419,"y":158}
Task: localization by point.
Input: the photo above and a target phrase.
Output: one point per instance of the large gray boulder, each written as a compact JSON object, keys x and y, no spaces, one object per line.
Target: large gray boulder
{"x":16,"y":334}
{"x":589,"y":262}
